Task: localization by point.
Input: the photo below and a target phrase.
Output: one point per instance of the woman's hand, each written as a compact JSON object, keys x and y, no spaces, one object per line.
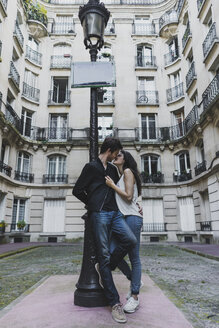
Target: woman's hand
{"x":109,"y":182}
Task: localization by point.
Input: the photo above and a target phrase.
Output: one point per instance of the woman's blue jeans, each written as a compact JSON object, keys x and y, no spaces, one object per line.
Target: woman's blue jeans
{"x":135,"y":224}
{"x":103,"y":224}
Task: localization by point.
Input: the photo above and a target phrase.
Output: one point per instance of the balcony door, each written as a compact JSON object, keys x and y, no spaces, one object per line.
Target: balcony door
{"x":105,"y":123}
{"x":183,"y":162}
{"x":151,"y":164}
{"x":56,"y":168}
{"x":146,"y":83}
{"x":144,"y":55}
{"x":23,"y":162}
{"x":187,"y":214}
{"x":58,"y":127}
{"x":59,"y":90}
{"x":26,"y":122}
{"x":178,"y":118}
{"x":153,"y":218}
{"x":148,"y":126}
{"x":30,"y":79}
{"x":54,"y":216}
{"x":18,"y":212}
{"x":173,"y":48}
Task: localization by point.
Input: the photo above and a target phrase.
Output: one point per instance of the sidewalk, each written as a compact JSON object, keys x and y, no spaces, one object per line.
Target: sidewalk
{"x":210,"y":251}
{"x":50,"y":305}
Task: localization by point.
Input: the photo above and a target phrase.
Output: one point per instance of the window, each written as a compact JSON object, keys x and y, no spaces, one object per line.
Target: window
{"x":105,"y":126}
{"x":153,"y":214}
{"x":18,"y":212}
{"x":178,"y":125}
{"x":144,"y":56}
{"x":173,"y":48}
{"x":30,"y":78}
{"x":58,"y":126}
{"x":59,"y":92}
{"x":23,"y":162}
{"x":33,"y":44}
{"x":187,"y":214}
{"x":57,"y":167}
{"x":183,"y":162}
{"x":151,"y":164}
{"x":5,"y":152}
{"x":148,"y":126}
{"x":205,"y":206}
{"x":63,"y":25}
{"x":175,"y":79}
{"x":26,"y":122}
{"x":146,"y":83}
{"x":2,"y":206}
{"x":200,"y":153}
{"x":54,"y":216}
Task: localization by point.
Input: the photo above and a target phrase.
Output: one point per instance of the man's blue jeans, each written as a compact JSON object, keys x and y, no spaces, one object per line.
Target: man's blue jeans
{"x":103,"y":224}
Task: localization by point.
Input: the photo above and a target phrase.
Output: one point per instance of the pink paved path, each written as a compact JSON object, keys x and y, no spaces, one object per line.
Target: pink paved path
{"x":50,"y":305}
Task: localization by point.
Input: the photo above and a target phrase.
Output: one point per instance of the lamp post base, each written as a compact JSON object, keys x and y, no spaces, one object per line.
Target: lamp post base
{"x":90,"y":298}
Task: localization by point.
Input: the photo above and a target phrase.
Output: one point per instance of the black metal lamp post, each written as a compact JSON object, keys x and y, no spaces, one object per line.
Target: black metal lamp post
{"x":94,"y":17}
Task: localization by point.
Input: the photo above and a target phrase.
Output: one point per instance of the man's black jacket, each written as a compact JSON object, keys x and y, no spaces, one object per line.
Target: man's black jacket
{"x":91,"y":188}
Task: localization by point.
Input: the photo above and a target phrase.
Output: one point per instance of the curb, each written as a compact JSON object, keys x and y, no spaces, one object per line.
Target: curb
{"x":21,"y":250}
{"x":211,"y":257}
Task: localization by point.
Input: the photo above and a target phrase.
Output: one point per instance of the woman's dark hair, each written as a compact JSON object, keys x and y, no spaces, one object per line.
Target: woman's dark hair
{"x":131,"y":164}
{"x":110,"y":143}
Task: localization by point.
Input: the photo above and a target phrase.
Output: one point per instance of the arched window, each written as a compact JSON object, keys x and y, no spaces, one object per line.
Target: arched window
{"x":145,"y":56}
{"x":23,"y":168}
{"x":61,"y":56}
{"x":182,"y":162}
{"x":56,"y":169}
{"x":151,"y":164}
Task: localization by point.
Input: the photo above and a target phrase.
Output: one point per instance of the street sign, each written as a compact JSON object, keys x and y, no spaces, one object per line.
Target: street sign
{"x":93,"y":74}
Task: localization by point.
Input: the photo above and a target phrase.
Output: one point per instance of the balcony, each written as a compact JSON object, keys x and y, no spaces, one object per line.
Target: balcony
{"x":18,"y":36}
{"x":186,"y":37}
{"x":23,"y":176}
{"x":144,"y":29}
{"x":63,"y":28}
{"x":152,"y":178}
{"x":104,"y":132}
{"x":106,"y":97}
{"x":177,"y":131}
{"x":200,"y":4}
{"x":61,"y":61}
{"x":180,"y":7}
{"x":14,"y":76}
{"x":211,"y":94}
{"x":147,"y":97}
{"x":191,"y":76}
{"x":205,"y":226}
{"x":59,"y":97}
{"x":3,"y":7}
{"x":110,"y":2}
{"x":37,"y":18}
{"x":33,"y":56}
{"x":154,"y":227}
{"x":175,"y":93}
{"x":55,"y":178}
{"x":200,"y":167}
{"x":182,"y":176}
{"x":191,"y":119}
{"x":110,"y":29}
{"x":168,"y":23}
{"x":31,"y":93}
{"x":5,"y":168}
{"x":210,"y":40}
{"x":146,"y":62}
{"x":171,"y":57}
{"x":12,"y":117}
{"x":14,"y":227}
{"x":148,"y":134}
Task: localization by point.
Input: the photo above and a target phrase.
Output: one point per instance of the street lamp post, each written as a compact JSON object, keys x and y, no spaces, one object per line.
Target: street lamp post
{"x":94,"y":17}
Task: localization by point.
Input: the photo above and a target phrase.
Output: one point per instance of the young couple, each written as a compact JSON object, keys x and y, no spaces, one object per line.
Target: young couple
{"x":116,"y":221}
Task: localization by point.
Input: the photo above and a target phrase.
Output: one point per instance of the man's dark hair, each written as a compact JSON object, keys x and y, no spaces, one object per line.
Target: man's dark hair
{"x":110,"y":143}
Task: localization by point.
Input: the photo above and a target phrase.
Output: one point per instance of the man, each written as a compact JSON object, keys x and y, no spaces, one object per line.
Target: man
{"x":105,"y":217}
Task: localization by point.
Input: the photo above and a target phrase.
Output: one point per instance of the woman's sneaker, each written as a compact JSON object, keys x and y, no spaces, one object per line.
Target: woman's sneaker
{"x":130,"y":290}
{"x":118,"y":313}
{"x":132,"y":305}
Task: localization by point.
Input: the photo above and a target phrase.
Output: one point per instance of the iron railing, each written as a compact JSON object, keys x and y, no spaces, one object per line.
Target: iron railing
{"x":200,"y":167}
{"x":33,"y":55}
{"x":63,"y":28}
{"x":14,"y":75}
{"x":110,"y":29}
{"x":199,"y":4}
{"x":145,"y":61}
{"x":152,"y":178}
{"x":154,"y":227}
{"x":171,"y":57}
{"x":63,"y":61}
{"x":0,"y":48}
{"x":31,"y":92}
{"x":14,"y":227}
{"x":209,"y":40}
{"x":180,"y":6}
{"x":12,"y":117}
{"x":144,"y":28}
{"x":206,"y":226}
{"x":58,"y":134}
{"x":170,"y":17}
{"x":191,"y":75}
{"x":5,"y":168}
{"x":59,"y":97}
{"x":18,"y":34}
{"x":106,"y":97}
{"x":147,"y":97}
{"x":187,"y":34}
{"x":191,"y":119}
{"x":4,"y":4}
{"x":177,"y":131}
{"x":183,"y":176}
{"x":24,"y":176}
{"x":109,"y":2}
{"x":175,"y":93}
{"x":55,"y":178}
{"x":211,"y":94}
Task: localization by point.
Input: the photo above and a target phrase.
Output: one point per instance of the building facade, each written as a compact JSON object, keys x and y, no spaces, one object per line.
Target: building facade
{"x":164,"y":109}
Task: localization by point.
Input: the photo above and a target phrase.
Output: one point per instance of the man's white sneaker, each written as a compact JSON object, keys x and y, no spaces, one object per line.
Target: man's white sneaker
{"x":130,"y":290}
{"x":132,"y":305}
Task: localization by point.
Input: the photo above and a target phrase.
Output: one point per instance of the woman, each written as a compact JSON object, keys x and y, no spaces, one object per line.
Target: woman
{"x":127,"y":191}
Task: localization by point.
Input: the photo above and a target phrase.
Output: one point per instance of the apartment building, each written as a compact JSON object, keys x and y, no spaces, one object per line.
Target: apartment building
{"x":164,"y":109}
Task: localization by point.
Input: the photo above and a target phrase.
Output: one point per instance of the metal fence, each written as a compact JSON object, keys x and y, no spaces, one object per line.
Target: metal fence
{"x":31,"y":92}
{"x":209,"y":40}
{"x":33,"y":55}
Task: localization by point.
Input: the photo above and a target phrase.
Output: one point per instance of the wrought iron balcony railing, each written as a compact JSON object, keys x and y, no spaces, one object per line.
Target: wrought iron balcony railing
{"x":171,"y":57}
{"x":199,"y":4}
{"x":63,"y":28}
{"x":186,"y":36}
{"x":145,"y":61}
{"x":31,"y":92}
{"x":55,"y":178}
{"x":34,"y":56}
{"x":209,"y":40}
{"x":147,"y":97}
{"x":175,"y":93}
{"x":191,"y":119}
{"x":15,"y":227}
{"x":152,"y":178}
{"x":58,"y":134}
{"x":211,"y":94}
{"x":24,"y":176}
{"x":183,"y":176}
{"x":5,"y":168}
{"x":154,"y":227}
{"x":167,"y":18}
{"x":63,"y":61}
{"x":12,"y":117}
{"x":144,"y":29}
{"x":4,"y":4}
{"x":106,"y":97}
{"x":180,"y":6}
{"x":14,"y":75}
{"x":18,"y":34}
{"x":206,"y":226}
{"x":59,"y":97}
{"x":177,"y":131}
{"x":200,"y":167}
{"x":110,"y":29}
{"x":191,"y":75}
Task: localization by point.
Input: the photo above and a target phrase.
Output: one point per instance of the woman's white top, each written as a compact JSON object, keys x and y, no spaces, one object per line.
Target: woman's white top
{"x":126,"y":207}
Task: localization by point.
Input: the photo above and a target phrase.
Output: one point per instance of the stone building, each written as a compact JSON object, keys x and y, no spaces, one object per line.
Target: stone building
{"x":164,"y":109}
